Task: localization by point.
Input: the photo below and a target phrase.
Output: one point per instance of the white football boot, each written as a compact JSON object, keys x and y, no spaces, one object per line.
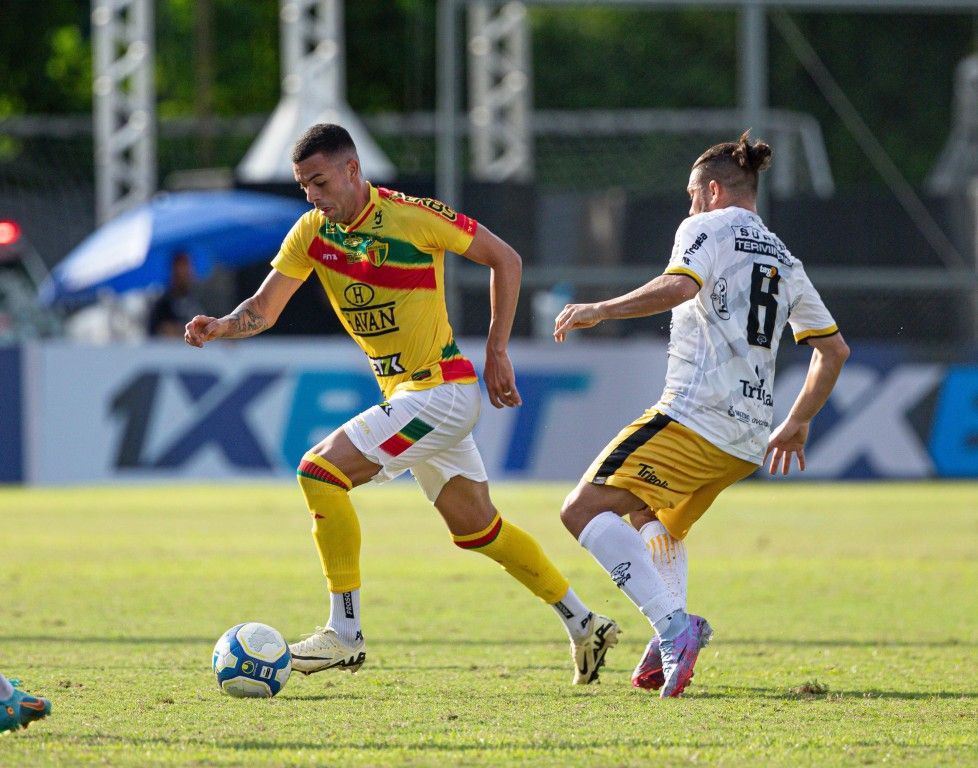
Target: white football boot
{"x":324,"y":649}
{"x":589,"y":653}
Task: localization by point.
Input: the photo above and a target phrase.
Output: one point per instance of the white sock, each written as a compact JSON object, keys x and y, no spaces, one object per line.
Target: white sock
{"x":668,"y":557}
{"x":621,"y":552}
{"x":574,"y":614}
{"x":344,"y":615}
{"x":6,"y":689}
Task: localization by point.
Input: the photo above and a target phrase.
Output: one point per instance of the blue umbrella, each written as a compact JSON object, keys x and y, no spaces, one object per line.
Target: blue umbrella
{"x":134,"y":251}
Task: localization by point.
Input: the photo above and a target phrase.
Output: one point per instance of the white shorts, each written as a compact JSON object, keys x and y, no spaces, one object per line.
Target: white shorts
{"x":427,"y":431}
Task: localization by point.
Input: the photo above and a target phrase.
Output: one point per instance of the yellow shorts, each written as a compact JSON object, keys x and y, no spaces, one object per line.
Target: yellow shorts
{"x":669,"y":467}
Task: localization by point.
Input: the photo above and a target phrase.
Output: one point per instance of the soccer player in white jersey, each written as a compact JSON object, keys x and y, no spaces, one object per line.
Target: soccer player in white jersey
{"x":732,"y":286}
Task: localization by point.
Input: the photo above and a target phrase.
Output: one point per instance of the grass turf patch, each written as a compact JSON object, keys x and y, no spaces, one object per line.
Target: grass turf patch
{"x":846,"y":620}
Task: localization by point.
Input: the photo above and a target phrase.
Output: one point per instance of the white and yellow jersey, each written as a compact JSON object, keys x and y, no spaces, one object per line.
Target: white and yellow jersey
{"x":724,"y":342}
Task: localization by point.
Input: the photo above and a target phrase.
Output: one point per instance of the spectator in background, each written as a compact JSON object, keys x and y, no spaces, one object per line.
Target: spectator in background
{"x":179,"y":303}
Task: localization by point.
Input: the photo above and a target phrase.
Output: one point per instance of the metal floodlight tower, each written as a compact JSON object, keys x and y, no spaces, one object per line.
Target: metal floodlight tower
{"x":124,"y":105}
{"x":958,"y":162}
{"x":313,"y":91}
{"x":499,"y":88}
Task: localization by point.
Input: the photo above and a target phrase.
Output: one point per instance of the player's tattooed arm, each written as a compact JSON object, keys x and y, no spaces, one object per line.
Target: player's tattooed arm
{"x":244,"y":321}
{"x":252,"y":316}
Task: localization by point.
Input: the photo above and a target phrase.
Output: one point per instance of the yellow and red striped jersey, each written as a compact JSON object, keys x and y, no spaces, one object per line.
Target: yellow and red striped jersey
{"x":384,"y":275}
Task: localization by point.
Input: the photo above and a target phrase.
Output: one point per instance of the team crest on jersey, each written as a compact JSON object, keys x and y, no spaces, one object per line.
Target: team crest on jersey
{"x":360,"y":249}
{"x":377,"y":253}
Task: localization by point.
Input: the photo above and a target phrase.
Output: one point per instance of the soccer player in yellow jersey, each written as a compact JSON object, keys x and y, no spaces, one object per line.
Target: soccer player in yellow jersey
{"x":732,"y":286}
{"x":380,"y":256}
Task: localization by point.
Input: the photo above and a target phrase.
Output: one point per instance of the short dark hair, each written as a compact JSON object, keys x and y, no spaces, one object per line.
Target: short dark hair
{"x":735,"y":164}
{"x":322,"y":137}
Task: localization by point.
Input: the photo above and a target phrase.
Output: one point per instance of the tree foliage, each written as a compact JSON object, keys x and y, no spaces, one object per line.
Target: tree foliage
{"x":896,"y":69}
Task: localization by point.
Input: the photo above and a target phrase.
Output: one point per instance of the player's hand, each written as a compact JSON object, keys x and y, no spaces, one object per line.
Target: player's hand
{"x":201,"y":330}
{"x":786,"y":441}
{"x":500,"y":380}
{"x":573,"y":317}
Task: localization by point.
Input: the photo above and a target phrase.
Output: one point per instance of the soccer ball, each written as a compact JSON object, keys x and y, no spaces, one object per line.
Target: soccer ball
{"x":252,"y":660}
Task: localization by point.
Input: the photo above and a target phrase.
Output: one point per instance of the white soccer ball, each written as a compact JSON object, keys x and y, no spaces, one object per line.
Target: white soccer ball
{"x":252,"y":660}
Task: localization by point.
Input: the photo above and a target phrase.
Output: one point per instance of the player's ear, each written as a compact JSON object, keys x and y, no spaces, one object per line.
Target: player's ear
{"x":715,"y":190}
{"x":353,"y":167}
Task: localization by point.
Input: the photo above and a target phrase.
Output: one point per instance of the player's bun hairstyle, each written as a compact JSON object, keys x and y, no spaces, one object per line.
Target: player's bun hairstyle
{"x":322,"y":137}
{"x":735,"y":163}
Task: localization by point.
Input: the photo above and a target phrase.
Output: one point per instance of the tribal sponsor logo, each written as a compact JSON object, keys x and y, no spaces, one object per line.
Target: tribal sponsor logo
{"x":386,"y":407}
{"x":378,"y":220}
{"x":719,"y":298}
{"x":620,"y":574}
{"x":647,"y":473}
{"x":697,"y":244}
{"x":375,"y":320}
{"x":389,"y":365}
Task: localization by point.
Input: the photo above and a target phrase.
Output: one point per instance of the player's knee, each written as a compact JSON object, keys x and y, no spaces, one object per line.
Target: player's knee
{"x":318,"y":477}
{"x":571,"y":512}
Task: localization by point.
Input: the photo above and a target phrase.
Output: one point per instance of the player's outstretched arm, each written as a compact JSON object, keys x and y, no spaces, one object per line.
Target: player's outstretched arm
{"x":658,"y":295}
{"x":504,"y":293}
{"x":252,"y":316}
{"x":788,"y":439}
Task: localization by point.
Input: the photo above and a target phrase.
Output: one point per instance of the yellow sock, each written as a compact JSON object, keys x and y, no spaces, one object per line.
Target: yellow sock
{"x":335,"y":527}
{"x":518,"y":552}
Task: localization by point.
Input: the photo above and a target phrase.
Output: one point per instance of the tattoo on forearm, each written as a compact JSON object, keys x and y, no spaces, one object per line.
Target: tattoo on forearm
{"x":245,"y":322}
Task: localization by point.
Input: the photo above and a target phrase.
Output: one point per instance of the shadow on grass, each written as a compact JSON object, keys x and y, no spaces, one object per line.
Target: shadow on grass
{"x":869,"y":694}
{"x":546,"y":642}
{"x":377,"y":745}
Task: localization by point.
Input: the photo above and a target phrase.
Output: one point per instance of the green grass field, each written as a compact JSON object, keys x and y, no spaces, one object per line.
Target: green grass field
{"x":846,"y":621}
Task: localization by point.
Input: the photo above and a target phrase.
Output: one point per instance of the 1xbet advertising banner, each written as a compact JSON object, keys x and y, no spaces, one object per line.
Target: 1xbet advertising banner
{"x":249,"y":410}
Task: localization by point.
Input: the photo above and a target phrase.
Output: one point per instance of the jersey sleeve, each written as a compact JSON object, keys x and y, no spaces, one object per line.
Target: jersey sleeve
{"x":292,"y":259}
{"x":439,"y":228}
{"x":808,"y":316}
{"x":693,"y":252}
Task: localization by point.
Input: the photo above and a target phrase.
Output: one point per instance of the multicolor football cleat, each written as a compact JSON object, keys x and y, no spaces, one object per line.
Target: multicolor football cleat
{"x":648,"y":673}
{"x":22,"y":709}
{"x":679,"y":655}
{"x":589,"y":653}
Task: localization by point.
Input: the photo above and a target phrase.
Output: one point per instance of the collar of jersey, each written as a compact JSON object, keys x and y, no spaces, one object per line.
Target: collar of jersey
{"x":372,"y":204}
